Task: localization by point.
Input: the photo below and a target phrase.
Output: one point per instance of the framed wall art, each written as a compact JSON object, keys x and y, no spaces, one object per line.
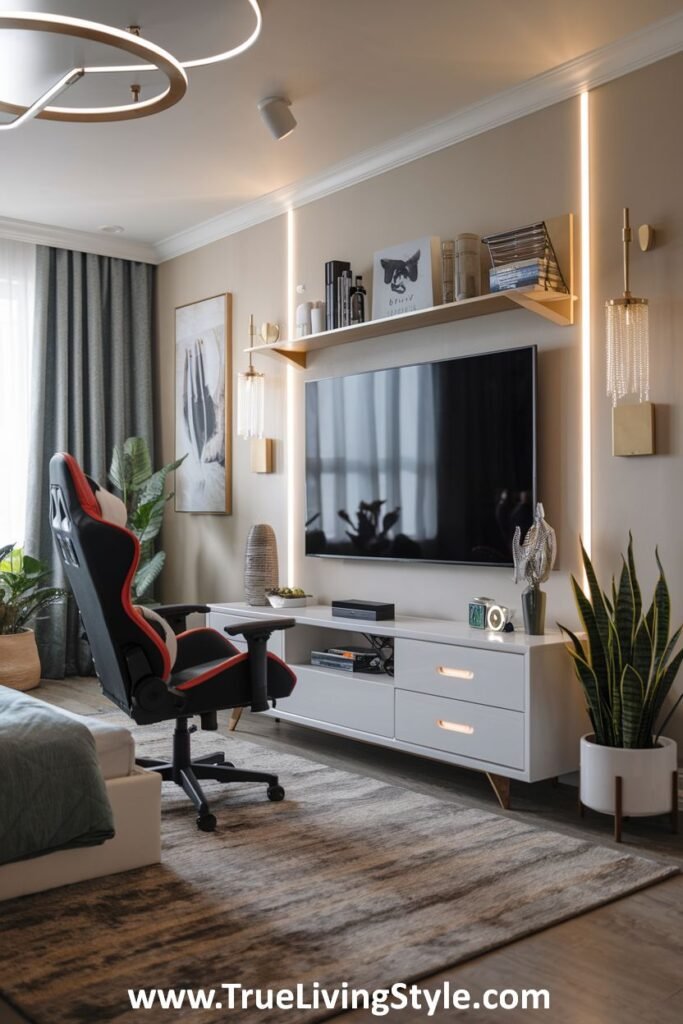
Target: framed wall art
{"x":203,"y":413}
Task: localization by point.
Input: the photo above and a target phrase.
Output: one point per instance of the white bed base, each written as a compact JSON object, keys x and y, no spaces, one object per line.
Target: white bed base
{"x":136,"y":803}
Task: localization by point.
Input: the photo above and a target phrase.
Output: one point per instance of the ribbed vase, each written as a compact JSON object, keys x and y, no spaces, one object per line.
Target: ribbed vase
{"x":260,"y":564}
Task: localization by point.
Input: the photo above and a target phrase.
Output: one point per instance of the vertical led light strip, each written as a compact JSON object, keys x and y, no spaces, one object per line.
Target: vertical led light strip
{"x":290,"y":445}
{"x":586,"y":463}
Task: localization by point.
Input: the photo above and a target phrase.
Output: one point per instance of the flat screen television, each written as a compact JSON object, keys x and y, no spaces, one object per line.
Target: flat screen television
{"x":434,"y":462}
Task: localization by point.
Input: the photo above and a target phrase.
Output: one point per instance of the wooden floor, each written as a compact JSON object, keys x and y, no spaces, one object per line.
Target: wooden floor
{"x":621,"y":964}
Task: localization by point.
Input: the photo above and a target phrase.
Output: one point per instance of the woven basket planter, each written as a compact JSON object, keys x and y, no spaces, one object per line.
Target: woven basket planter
{"x":19,"y":661}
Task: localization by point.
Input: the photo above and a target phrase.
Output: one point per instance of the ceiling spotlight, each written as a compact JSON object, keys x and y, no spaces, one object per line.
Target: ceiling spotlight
{"x":277,"y":116}
{"x":112,"y":229}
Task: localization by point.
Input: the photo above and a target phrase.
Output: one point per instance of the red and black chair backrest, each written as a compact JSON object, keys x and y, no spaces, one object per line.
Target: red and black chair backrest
{"x":100,"y":560}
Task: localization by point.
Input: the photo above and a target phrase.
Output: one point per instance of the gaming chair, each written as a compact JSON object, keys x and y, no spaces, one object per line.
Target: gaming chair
{"x":148,"y":664}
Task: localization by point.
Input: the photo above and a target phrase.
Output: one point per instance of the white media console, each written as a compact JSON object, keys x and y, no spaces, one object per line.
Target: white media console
{"x":502,"y":703}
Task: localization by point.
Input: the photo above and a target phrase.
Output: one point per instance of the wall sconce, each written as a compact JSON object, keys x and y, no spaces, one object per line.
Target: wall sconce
{"x":250,"y":396}
{"x":628,"y":360}
{"x":251,"y":410}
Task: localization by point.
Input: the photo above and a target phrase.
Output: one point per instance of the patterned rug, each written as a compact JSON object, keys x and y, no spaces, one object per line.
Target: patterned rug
{"x":348,"y":880}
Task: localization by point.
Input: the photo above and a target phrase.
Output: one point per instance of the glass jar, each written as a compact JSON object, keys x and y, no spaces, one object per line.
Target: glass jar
{"x":467,"y":266}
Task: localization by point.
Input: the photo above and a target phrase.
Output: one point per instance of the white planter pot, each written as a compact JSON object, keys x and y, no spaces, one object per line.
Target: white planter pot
{"x":646,"y":786}
{"x":19,"y":661}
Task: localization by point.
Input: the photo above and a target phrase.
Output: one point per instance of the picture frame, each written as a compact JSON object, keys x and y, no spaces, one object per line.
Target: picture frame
{"x":203,"y":405}
{"x":406,"y":277}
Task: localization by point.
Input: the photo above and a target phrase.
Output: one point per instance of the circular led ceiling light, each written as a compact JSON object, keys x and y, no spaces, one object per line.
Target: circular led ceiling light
{"x":130,"y":42}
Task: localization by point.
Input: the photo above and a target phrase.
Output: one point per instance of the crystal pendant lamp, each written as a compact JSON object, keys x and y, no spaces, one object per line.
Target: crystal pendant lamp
{"x":628,"y":343}
{"x":250,"y":397}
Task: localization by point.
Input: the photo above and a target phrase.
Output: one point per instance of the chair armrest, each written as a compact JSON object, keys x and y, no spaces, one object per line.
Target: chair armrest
{"x":256,"y":634}
{"x":176,"y":614}
{"x":258,"y":626}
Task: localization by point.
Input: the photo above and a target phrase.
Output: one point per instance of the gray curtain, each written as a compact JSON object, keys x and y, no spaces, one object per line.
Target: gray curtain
{"x":91,"y":388}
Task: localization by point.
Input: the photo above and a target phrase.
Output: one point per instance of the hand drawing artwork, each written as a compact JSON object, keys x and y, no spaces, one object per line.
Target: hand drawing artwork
{"x":202,"y":384}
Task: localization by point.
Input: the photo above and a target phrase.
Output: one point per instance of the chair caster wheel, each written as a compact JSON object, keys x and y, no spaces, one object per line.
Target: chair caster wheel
{"x":206,"y":822}
{"x":276,"y":793}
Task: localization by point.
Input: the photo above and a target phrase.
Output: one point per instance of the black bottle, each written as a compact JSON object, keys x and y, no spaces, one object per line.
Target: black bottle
{"x":358,"y":301}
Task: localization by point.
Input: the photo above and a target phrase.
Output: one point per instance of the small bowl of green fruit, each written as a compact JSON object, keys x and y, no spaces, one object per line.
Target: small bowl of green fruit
{"x":287,"y":597}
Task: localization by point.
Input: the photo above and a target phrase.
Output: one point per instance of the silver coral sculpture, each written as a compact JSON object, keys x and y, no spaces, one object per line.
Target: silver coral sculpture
{"x":534,"y":559}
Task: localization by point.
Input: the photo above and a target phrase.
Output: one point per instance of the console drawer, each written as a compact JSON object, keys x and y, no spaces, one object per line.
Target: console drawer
{"x":219,"y":620}
{"x":459,"y":727}
{"x":494,"y":678}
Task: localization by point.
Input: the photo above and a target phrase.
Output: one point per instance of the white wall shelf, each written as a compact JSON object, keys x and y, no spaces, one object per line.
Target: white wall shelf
{"x":557,"y":307}
{"x":554,"y":306}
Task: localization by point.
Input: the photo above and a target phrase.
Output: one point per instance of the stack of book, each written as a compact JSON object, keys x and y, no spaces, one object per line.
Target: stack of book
{"x":535,"y":272}
{"x":524,"y":258}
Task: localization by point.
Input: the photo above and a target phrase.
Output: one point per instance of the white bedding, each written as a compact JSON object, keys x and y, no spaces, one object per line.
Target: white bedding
{"x":113,"y":743}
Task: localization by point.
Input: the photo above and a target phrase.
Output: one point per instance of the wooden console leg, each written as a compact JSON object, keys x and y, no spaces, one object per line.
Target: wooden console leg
{"x":618,"y":807}
{"x":674,"y":801}
{"x":235,"y":716}
{"x":501,"y":787}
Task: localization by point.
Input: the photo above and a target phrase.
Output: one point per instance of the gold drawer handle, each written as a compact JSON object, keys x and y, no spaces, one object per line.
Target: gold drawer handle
{"x":455,"y":673}
{"x":467,"y":730}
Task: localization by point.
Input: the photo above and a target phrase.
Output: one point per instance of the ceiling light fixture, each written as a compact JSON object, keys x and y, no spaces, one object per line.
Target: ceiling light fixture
{"x":277,"y":116}
{"x":130,"y":42}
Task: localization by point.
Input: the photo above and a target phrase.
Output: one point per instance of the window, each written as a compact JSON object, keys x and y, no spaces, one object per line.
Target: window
{"x":17,"y":289}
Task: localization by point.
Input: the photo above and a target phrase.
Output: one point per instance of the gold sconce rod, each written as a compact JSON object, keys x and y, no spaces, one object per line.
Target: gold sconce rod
{"x":626,"y":236}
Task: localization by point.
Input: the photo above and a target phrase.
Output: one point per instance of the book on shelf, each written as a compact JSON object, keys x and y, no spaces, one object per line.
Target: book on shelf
{"x":524,"y":257}
{"x":523,"y":286}
{"x":532,"y":272}
{"x":333,"y":273}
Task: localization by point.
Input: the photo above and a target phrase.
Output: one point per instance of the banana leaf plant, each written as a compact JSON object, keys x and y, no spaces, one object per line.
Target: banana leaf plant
{"x":23,"y":594}
{"x":142,"y":491}
{"x":626,"y":665}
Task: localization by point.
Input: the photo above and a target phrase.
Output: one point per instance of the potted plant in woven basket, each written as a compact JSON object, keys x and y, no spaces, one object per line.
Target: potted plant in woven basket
{"x":23,"y":595}
{"x":626,"y":666}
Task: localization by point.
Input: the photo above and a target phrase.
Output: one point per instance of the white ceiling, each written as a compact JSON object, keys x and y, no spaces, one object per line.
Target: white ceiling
{"x":360,"y":73}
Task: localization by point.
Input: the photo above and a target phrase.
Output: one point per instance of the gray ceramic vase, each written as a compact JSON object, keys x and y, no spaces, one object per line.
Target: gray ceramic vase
{"x":261,"y":572}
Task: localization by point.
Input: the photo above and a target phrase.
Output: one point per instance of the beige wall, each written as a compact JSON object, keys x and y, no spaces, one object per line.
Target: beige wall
{"x":512,"y":175}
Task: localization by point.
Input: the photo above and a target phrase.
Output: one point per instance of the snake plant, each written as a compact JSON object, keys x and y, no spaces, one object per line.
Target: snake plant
{"x":626,"y":665}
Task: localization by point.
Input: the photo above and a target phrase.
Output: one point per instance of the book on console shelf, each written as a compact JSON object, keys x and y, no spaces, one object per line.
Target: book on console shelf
{"x":348,"y":660}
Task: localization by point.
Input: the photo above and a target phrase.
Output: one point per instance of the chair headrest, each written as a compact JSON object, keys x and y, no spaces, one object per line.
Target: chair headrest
{"x":112,"y":509}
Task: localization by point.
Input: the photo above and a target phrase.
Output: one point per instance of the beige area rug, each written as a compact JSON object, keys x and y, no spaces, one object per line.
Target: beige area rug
{"x":348,"y":879}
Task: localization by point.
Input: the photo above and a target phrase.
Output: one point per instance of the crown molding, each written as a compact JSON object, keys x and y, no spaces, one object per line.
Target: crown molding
{"x":657,"y":41}
{"x":80,"y":241}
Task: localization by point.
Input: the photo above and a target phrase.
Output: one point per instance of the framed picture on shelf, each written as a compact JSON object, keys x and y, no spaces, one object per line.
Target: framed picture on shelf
{"x":203,"y":414}
{"x":406,"y":277}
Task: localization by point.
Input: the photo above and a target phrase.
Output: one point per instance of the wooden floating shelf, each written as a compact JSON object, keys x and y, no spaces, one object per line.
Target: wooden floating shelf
{"x":554,"y":306}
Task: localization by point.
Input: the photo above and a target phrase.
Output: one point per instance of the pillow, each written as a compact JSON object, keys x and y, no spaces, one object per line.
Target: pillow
{"x":112,"y":509}
{"x":160,"y":626}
